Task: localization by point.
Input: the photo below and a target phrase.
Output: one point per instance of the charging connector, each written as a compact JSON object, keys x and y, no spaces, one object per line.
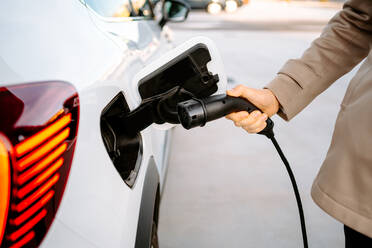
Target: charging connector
{"x":197,"y":112}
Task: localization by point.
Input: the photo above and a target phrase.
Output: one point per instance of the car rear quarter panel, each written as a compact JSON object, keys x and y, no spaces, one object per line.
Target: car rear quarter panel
{"x":53,"y":39}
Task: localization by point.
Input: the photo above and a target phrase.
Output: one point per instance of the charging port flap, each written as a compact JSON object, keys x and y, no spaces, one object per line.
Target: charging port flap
{"x":192,"y":70}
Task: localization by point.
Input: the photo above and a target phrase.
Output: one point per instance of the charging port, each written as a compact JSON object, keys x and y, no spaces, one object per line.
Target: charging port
{"x":184,"y":77}
{"x":124,"y":150}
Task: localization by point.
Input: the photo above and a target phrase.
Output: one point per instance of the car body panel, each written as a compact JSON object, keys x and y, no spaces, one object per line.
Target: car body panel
{"x":97,"y":205}
{"x":69,"y":238}
{"x":64,"y":40}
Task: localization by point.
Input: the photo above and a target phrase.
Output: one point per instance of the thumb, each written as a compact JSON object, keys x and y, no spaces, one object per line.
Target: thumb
{"x":235,"y":92}
{"x":242,"y":91}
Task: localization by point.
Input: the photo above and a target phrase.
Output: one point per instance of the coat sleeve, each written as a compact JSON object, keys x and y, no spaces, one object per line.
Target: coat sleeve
{"x":344,"y":42}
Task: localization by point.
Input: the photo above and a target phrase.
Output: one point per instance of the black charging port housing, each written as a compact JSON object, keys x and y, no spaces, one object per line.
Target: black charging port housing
{"x":182,"y":78}
{"x":124,"y":150}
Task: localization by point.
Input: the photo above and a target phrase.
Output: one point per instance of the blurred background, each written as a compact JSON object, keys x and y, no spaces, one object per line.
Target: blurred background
{"x":226,"y":188}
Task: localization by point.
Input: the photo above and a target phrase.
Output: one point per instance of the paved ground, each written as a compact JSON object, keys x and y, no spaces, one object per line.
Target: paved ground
{"x":226,"y":188}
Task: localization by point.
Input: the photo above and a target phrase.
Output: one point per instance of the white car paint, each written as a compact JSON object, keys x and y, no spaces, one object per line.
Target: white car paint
{"x":64,"y":40}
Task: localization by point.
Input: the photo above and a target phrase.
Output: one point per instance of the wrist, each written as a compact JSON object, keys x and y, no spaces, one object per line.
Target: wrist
{"x":274,"y":105}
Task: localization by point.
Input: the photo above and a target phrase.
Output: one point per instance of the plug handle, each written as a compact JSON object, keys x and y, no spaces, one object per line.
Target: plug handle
{"x":197,"y":112}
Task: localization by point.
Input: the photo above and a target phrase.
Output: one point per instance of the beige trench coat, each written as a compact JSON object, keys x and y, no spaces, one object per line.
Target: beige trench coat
{"x":343,"y":187}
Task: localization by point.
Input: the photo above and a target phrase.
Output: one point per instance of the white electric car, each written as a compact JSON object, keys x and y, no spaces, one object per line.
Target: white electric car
{"x":88,"y":91}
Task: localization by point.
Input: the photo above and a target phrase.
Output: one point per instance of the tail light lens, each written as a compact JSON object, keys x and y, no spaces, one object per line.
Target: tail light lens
{"x":38,"y":129}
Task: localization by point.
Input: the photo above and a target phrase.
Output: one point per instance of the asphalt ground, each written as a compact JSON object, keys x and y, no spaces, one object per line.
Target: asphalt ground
{"x":226,"y":188}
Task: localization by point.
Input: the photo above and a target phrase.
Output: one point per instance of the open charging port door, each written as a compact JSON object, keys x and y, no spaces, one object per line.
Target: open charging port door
{"x":192,"y":70}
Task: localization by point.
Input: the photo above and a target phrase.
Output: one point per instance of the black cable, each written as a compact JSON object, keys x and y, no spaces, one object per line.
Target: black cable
{"x":295,"y":189}
{"x":194,"y":113}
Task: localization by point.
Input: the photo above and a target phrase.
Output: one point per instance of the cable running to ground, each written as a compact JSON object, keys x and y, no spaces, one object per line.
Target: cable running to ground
{"x":295,"y":189}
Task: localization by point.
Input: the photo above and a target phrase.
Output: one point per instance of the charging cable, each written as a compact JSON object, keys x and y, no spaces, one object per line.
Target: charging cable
{"x":295,"y":189}
{"x":197,"y":112}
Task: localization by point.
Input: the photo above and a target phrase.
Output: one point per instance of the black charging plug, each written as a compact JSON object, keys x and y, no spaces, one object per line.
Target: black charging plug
{"x":197,"y":112}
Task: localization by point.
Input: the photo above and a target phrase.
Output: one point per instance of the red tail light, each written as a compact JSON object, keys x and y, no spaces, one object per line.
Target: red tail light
{"x":38,"y":128}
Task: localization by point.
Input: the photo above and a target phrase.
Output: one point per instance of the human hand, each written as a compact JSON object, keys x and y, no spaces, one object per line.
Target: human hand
{"x":264,"y":99}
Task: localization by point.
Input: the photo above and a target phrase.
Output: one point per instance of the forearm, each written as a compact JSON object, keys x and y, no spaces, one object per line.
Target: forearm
{"x":342,"y":45}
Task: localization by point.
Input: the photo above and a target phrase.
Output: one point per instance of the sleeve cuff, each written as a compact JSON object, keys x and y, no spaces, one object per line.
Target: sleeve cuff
{"x":286,"y":90}
{"x":295,"y":86}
